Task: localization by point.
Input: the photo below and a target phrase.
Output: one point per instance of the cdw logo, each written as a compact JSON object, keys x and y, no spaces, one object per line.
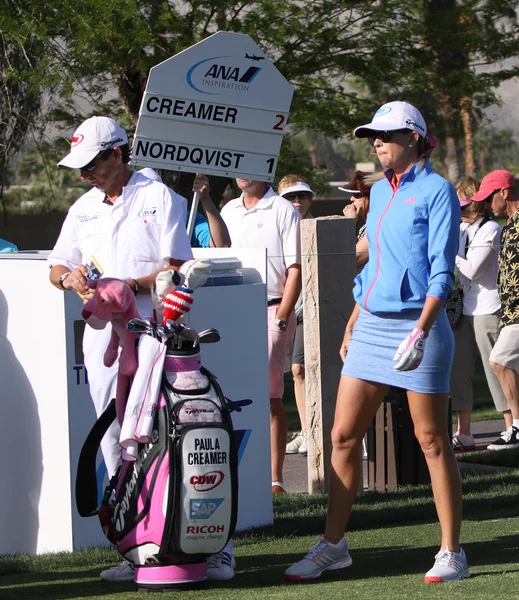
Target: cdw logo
{"x":208,"y":481}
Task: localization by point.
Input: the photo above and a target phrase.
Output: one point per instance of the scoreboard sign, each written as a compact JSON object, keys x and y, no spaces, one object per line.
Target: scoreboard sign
{"x":220,"y":108}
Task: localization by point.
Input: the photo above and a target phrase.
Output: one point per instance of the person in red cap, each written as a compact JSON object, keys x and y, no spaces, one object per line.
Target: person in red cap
{"x":478,"y":329}
{"x":499,"y":188}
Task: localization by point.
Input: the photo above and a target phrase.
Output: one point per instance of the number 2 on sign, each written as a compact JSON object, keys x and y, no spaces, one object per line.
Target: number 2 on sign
{"x":270,"y":163}
{"x":279,"y":125}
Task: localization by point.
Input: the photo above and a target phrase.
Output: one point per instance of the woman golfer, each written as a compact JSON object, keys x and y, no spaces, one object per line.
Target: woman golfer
{"x":399,"y":335}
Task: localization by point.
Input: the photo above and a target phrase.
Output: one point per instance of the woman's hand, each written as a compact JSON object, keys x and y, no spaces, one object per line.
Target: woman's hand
{"x":350,"y":211}
{"x":345,"y":344}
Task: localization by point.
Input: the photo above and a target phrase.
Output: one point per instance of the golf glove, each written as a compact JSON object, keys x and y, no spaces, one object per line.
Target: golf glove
{"x":410,"y":352}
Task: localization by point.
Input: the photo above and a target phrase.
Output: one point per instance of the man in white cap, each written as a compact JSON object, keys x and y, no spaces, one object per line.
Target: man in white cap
{"x":260,"y":218}
{"x":126,"y":226}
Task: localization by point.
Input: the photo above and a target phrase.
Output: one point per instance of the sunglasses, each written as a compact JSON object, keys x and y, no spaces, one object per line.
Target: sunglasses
{"x":93,"y":163}
{"x":295,"y":195}
{"x":385,"y":136}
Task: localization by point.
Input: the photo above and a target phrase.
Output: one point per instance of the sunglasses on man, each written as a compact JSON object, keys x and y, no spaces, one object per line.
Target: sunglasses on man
{"x":93,"y":163}
{"x":385,"y":136}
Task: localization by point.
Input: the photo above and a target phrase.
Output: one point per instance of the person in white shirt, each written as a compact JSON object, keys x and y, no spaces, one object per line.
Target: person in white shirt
{"x":257,"y":219}
{"x":133,"y":228}
{"x":478,"y":328}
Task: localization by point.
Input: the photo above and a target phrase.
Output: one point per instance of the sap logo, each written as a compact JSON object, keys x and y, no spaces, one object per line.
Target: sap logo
{"x":203,"y":509}
{"x":208,"y":481}
{"x":383,"y":110}
{"x":77,"y":139}
{"x":148,"y":212}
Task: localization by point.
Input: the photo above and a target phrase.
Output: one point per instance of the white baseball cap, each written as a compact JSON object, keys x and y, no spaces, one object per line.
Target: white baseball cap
{"x":300,"y":186}
{"x":92,"y":137}
{"x":393,"y":116}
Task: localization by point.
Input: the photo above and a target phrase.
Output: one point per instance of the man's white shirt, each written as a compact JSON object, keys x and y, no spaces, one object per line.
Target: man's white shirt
{"x":273,"y":224}
{"x":131,"y":238}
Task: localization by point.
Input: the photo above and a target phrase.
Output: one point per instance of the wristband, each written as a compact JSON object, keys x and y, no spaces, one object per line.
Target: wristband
{"x":348,"y":331}
{"x":62,"y":279}
{"x":134,"y":287}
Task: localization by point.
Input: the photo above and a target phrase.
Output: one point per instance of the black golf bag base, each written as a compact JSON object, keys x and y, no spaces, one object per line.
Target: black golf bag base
{"x":169,"y":577}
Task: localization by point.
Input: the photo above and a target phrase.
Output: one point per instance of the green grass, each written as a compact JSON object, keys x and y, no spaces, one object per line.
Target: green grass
{"x":503,"y":458}
{"x":393,"y":538}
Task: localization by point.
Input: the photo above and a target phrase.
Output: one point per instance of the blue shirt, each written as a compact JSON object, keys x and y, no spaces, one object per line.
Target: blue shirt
{"x":413,"y":235}
{"x":6,"y":246}
{"x":201,"y":236}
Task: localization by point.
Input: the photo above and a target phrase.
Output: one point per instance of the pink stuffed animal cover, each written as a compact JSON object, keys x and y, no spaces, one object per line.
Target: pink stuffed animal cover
{"x":114,"y":302}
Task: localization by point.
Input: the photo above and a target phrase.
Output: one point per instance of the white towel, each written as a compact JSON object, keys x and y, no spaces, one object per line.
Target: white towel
{"x":143,"y":398}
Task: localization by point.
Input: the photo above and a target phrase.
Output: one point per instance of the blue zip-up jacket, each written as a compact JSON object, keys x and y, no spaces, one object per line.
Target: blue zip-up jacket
{"x":413,"y":235}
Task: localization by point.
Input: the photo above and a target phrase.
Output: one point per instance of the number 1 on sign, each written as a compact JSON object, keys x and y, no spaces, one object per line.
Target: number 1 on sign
{"x":270,"y":163}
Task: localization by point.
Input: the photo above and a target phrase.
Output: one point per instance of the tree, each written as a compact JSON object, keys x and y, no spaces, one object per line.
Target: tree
{"x":20,"y":99}
{"x":100,"y":52}
{"x":446,"y":58}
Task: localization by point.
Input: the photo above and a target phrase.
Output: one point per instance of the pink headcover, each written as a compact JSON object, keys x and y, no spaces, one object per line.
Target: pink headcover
{"x":114,"y":302}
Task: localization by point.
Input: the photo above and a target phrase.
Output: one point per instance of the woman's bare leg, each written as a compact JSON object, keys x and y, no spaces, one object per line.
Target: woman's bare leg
{"x":357,"y":404}
{"x":429,"y":413}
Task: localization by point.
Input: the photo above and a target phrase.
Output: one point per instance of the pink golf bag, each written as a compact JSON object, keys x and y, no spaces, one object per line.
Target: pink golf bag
{"x":176,"y":503}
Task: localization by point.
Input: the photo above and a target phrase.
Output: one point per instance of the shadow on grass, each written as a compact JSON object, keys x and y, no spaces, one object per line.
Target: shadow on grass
{"x":267,"y":570}
{"x":303,"y":515}
{"x":64,"y":588}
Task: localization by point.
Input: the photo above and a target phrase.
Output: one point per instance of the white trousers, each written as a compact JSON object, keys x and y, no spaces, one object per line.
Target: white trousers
{"x":102,"y":382}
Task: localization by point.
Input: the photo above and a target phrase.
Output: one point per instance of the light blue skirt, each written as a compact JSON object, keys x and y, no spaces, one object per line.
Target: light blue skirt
{"x":375,"y":340}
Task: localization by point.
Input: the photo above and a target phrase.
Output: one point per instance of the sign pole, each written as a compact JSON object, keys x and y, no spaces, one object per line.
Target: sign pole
{"x":192,"y":215}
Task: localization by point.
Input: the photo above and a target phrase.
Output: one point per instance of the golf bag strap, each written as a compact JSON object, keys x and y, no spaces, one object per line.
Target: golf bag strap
{"x":86,"y":478}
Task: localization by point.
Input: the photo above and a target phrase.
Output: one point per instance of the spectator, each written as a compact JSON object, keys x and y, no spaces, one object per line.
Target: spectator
{"x":413,"y":233}
{"x":360,"y":188}
{"x":295,"y":189}
{"x":260,"y":218}
{"x":478,"y":328}
{"x":209,"y":231}
{"x":498,"y":187}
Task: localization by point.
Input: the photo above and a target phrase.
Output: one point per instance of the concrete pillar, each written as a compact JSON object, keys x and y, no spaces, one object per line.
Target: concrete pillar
{"x":328,"y":269}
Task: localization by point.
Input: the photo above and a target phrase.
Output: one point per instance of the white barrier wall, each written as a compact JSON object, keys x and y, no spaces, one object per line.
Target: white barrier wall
{"x":46,"y":411}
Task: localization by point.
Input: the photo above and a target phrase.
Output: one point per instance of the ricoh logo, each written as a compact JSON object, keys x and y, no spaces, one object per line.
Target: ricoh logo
{"x":203,"y":509}
{"x":222,"y":73}
{"x":205,"y":529}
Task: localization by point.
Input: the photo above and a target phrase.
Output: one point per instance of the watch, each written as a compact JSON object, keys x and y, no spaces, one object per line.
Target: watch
{"x":281,"y":323}
{"x":134,"y":287}
{"x":62,"y":279}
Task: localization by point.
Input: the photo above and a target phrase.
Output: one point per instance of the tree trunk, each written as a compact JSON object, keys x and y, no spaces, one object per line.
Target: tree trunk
{"x":466,"y":118}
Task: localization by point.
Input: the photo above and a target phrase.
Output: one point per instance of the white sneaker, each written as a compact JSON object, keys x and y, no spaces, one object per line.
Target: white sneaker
{"x":508,"y":439}
{"x":448,"y":566}
{"x":303,"y":448}
{"x":322,"y":557}
{"x":122,"y":572}
{"x":295,"y":444}
{"x":220,"y":566}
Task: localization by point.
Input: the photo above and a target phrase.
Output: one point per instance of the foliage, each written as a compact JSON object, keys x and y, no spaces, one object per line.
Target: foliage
{"x":94,"y":57}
